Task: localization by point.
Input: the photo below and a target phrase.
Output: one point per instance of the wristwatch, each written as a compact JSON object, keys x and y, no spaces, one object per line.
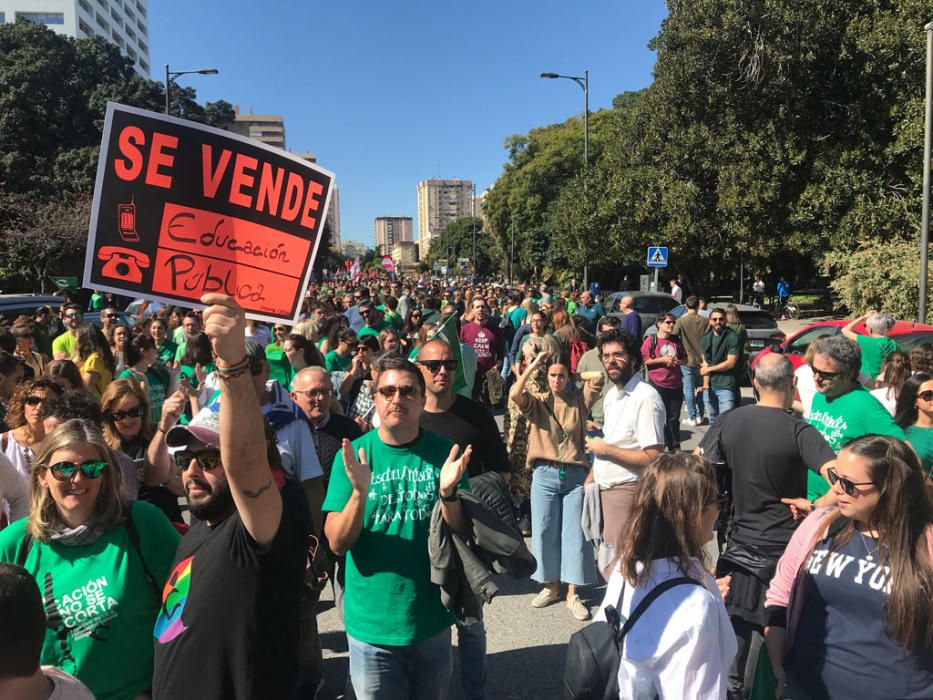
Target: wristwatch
{"x":449,"y":499}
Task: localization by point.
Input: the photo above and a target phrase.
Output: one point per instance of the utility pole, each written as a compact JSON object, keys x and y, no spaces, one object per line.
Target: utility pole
{"x":925,"y":213}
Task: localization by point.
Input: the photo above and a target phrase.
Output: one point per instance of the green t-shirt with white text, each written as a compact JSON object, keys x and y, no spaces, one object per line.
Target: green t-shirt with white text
{"x":389,"y":598}
{"x":101,"y":609}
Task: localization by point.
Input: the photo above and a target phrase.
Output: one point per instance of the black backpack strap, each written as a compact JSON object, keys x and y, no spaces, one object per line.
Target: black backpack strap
{"x":133,"y":533}
{"x":23,"y":552}
{"x":650,"y":598}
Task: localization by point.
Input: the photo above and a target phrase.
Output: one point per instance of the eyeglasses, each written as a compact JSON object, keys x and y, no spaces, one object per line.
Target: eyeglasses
{"x":135,"y":412}
{"x":34,"y":400}
{"x":847,"y":485}
{"x":822,"y":375}
{"x":925,"y":395}
{"x":207,"y":459}
{"x":434,"y":366}
{"x":405,"y":392}
{"x":718,"y":319}
{"x":315,"y":394}
{"x":64,"y":471}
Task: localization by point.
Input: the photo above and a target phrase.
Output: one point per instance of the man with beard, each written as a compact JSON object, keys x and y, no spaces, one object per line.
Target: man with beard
{"x":229,"y":621}
{"x":486,"y":340}
{"x":633,"y":429}
{"x":382,"y":492}
{"x":63,"y":346}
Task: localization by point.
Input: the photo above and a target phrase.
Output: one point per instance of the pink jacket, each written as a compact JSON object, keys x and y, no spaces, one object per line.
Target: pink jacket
{"x":784,"y":591}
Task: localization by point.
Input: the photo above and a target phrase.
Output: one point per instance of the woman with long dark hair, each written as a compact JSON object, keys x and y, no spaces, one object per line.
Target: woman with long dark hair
{"x":94,"y":358}
{"x":682,"y":645}
{"x":914,"y":413}
{"x":895,"y":369}
{"x":850,"y":604}
{"x":142,"y":365}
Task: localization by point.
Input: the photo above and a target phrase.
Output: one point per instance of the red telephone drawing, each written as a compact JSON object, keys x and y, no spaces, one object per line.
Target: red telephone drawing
{"x":126,"y":216}
{"x":123,"y":263}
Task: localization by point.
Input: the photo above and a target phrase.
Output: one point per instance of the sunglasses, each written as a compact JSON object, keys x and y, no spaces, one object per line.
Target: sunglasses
{"x":821,"y":375}
{"x":111,"y":316}
{"x":72,"y":315}
{"x":434,"y":366}
{"x":925,"y":395}
{"x":34,"y":400}
{"x":406,"y":392}
{"x":63,"y":471}
{"x":847,"y":485}
{"x":207,"y":459}
{"x":136,"y":412}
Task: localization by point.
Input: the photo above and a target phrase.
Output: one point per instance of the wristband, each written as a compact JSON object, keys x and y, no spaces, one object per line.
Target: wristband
{"x":813,"y":505}
{"x":450,"y":499}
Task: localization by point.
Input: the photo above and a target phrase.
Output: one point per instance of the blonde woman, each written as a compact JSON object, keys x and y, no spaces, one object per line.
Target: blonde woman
{"x":100,"y":561}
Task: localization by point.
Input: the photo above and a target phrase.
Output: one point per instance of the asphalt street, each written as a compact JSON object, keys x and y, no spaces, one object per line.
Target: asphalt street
{"x":526,"y":647}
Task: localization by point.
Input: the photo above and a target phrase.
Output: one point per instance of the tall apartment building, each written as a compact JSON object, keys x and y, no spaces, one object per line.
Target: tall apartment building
{"x":390,"y":231}
{"x":441,"y":202}
{"x":332,"y":222}
{"x":121,"y":22}
{"x":268,"y":128}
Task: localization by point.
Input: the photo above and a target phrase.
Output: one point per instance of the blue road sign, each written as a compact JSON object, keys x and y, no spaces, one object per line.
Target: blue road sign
{"x":657,"y":256}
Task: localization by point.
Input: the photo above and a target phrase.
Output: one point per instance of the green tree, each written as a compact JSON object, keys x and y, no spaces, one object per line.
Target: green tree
{"x":456,"y":241}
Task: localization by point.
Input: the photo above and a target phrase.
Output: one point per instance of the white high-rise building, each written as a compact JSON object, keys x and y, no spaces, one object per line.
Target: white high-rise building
{"x":441,"y":202}
{"x":121,"y":22}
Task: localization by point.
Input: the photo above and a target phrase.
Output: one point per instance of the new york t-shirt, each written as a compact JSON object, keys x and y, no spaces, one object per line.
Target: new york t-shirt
{"x":389,"y":598}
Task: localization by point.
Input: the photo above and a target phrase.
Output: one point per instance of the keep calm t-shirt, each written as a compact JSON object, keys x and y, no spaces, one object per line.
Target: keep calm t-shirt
{"x":389,"y":597}
{"x":485,"y":341}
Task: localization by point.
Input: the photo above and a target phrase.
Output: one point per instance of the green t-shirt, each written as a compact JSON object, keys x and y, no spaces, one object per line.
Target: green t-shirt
{"x":394,"y":320}
{"x":517,"y":317}
{"x":97,"y":302}
{"x":334,"y":362}
{"x":180,"y":348}
{"x":372,"y":330}
{"x":167,"y":353}
{"x":178,"y":335}
{"x":716,"y":348}
{"x":922,"y":441}
{"x":874,"y":350}
{"x":100,"y":606}
{"x":841,"y":420}
{"x":389,"y":598}
{"x":280,"y":369}
{"x":65,"y":343}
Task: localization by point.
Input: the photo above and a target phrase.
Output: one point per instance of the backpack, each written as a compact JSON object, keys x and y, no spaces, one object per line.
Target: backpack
{"x":577,"y":349}
{"x":595,"y":652}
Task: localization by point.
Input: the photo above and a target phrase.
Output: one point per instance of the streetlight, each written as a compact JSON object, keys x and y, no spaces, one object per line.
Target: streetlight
{"x":925,"y":213}
{"x":584,"y":84}
{"x":170,"y":75}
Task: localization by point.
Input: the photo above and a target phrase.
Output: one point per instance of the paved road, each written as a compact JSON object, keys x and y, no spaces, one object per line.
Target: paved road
{"x":526,"y":647}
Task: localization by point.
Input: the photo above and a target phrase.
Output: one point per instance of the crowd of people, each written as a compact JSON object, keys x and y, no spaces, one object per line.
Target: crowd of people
{"x":177,"y":491}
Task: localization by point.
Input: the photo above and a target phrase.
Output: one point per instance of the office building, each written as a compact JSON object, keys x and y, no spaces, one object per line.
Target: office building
{"x":390,"y":231}
{"x":353,"y":249}
{"x":405,"y":256}
{"x":268,"y":128}
{"x":441,"y":202}
{"x":121,"y":22}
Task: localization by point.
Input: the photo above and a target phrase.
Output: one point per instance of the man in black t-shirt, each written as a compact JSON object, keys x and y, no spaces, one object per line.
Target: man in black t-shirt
{"x":228,"y":628}
{"x":463,"y":422}
{"x":769,"y":452}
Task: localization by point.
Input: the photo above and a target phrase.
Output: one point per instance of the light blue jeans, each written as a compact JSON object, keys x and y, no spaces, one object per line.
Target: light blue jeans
{"x":557,"y":540}
{"x":692,"y":380}
{"x":471,"y":649}
{"x":718,"y":401}
{"x":414,"y":672}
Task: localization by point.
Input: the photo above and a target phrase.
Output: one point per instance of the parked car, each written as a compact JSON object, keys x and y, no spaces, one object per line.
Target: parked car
{"x":13,"y":305}
{"x":647,"y":305}
{"x":906,"y":334}
{"x":760,"y":324}
{"x":94,"y":317}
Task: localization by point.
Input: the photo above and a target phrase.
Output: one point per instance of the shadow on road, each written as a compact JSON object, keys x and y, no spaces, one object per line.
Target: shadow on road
{"x":520,"y":674}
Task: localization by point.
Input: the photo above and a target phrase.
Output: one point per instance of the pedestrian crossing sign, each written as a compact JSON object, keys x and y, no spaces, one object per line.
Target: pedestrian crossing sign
{"x":657,"y":256}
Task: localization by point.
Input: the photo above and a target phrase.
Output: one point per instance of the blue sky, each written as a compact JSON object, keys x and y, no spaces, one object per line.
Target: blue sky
{"x":388,"y":93}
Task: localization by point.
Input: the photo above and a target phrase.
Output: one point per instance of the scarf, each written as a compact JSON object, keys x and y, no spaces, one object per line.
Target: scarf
{"x":86,"y":533}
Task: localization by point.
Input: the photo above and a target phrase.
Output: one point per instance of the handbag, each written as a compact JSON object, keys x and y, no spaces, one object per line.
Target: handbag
{"x":595,"y":652}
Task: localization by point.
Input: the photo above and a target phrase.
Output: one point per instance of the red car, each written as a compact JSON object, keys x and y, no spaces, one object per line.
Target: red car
{"x":906,"y":334}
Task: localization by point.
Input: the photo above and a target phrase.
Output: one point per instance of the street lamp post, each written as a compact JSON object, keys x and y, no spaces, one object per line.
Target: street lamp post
{"x":473,"y":215}
{"x":584,"y":84}
{"x":170,"y":75}
{"x":925,"y":214}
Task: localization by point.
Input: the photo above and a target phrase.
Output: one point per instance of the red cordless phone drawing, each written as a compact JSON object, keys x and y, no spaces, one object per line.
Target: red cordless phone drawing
{"x":126,"y":215}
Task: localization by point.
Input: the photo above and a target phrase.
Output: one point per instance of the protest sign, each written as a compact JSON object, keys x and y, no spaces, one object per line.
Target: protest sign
{"x":182,"y":209}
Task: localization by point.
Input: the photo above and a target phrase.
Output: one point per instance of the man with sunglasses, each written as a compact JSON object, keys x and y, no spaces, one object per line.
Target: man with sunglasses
{"x":63,"y":346}
{"x":720,"y":350}
{"x":227,"y":628}
{"x":463,"y":422}
{"x":338,"y":359}
{"x":769,"y":452}
{"x":382,"y":492}
{"x":108,"y":318}
{"x":842,"y":408}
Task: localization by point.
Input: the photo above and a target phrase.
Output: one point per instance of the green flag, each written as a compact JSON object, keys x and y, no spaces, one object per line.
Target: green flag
{"x":448,"y":331}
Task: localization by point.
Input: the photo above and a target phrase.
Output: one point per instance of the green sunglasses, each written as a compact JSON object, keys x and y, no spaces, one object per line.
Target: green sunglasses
{"x":64,"y":471}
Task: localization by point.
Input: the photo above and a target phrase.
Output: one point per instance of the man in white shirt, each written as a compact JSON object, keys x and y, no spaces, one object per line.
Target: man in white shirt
{"x":633,"y":434}
{"x":677,"y":292}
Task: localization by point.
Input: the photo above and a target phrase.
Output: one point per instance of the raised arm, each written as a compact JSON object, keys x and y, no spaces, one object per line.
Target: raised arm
{"x":518,"y":388}
{"x":242,"y":433}
{"x":848,"y":330}
{"x":160,"y":467}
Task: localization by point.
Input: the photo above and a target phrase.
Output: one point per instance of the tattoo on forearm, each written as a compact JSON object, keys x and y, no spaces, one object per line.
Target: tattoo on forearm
{"x":258,"y":492}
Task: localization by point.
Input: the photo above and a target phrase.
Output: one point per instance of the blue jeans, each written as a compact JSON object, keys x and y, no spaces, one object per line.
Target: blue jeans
{"x":471,"y":649}
{"x":718,"y":401}
{"x":692,"y":380}
{"x":557,"y":540}
{"x":418,"y":671}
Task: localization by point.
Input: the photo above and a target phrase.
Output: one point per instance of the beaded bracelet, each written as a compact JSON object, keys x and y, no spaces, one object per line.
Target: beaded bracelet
{"x":225,"y":372}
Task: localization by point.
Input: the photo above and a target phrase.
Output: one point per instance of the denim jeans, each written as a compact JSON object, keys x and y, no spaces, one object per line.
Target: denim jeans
{"x":692,"y":380}
{"x":557,"y":540}
{"x":418,"y":671}
{"x":471,"y":650}
{"x":718,"y":401}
